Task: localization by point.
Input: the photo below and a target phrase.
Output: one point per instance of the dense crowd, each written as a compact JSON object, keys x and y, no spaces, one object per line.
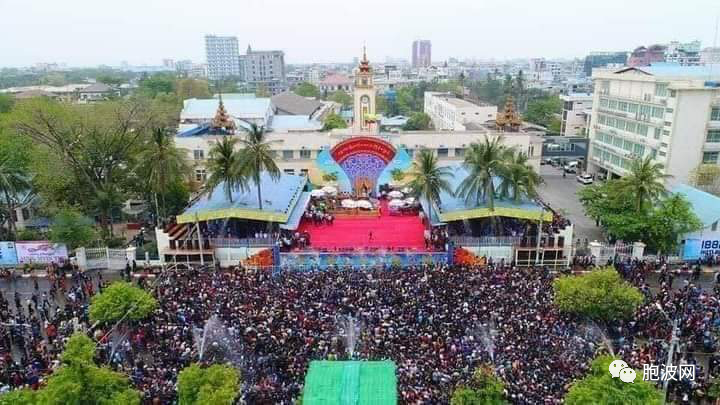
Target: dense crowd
{"x":437,"y":323}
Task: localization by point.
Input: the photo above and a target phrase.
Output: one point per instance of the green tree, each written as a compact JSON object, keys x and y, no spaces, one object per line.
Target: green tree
{"x":484,"y":161}
{"x":706,"y":177}
{"x":306,"y":89}
{"x":672,"y":218}
{"x":397,"y":175}
{"x":257,"y":157}
{"x":483,"y":389}
{"x":261,"y":91}
{"x":121,"y":299}
{"x":341,"y":97}
{"x":333,"y":121}
{"x":160,"y":165}
{"x":600,"y":295}
{"x":330,"y":177}
{"x":13,"y":183}
{"x":644,"y":182}
{"x":418,"y":121}
{"x":214,"y":385}
{"x":6,"y":103}
{"x":519,"y":178}
{"x":192,"y":88}
{"x":111,"y":80}
{"x":70,"y":227}
{"x":542,"y":111}
{"x":23,"y":396}
{"x":429,"y":179}
{"x":224,"y":166}
{"x":157,"y":84}
{"x":599,"y":387}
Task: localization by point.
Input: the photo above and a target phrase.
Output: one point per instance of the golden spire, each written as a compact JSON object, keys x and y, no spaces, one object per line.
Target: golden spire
{"x":508,"y":120}
{"x":222,"y":119}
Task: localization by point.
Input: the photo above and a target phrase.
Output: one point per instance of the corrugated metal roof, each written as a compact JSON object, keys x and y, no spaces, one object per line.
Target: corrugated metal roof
{"x":239,"y":108}
{"x":294,"y":122}
{"x":705,"y":205}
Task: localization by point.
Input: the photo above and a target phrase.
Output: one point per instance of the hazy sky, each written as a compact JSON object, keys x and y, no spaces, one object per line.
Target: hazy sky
{"x":91,"y":32}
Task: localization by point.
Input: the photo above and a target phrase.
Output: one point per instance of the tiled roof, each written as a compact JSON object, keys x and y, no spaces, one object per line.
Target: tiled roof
{"x":335,"y":80}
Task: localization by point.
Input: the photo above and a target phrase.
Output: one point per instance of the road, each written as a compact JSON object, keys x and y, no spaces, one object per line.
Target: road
{"x":561,"y":194}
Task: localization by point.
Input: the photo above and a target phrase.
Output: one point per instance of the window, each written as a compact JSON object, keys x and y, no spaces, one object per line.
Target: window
{"x":669,"y":110}
{"x":642,"y":129}
{"x":645,"y":110}
{"x":603,"y":102}
{"x":618,"y":142}
{"x":459,"y":152}
{"x":198,"y":154}
{"x":638,"y":149}
{"x":630,"y":126}
{"x":602,"y":119}
{"x":25,"y":213}
{"x":713,"y":135}
{"x":661,"y":153}
{"x":633,"y":108}
{"x":658,"y":132}
{"x":658,"y":112}
{"x":442,"y":152}
{"x":622,"y":106}
{"x":304,"y":154}
{"x":613,"y":104}
{"x":653,"y":153}
{"x":710,"y":157}
{"x":666,"y":132}
{"x":661,"y":89}
{"x":289,"y":171}
{"x":287,"y":154}
{"x":663,"y":145}
{"x":628,"y":146}
{"x":200,"y":175}
{"x":668,"y":123}
{"x":715,"y":114}
{"x":672,"y":93}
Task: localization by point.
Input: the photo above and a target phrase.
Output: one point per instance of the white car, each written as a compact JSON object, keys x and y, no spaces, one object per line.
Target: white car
{"x":585,"y":179}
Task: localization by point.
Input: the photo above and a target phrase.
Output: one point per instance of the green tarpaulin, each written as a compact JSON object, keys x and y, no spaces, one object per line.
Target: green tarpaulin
{"x":350,"y":383}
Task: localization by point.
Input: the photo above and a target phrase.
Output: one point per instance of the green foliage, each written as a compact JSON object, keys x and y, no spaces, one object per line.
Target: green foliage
{"x":598,"y":387}
{"x":429,"y":179}
{"x":256,"y":157}
{"x":118,"y":299}
{"x":341,"y":97}
{"x":29,"y":234}
{"x":484,"y":389}
{"x":600,"y":295}
{"x":214,"y":385}
{"x":418,"y":121}
{"x":70,"y":227}
{"x":111,"y":80}
{"x":223,"y":166}
{"x":14,"y":183}
{"x":6,"y":103}
{"x":485,"y":161}
{"x":333,"y":121}
{"x":157,"y":84}
{"x":706,"y":175}
{"x":192,"y":88}
{"x":329,"y":177}
{"x":518,"y":178}
{"x":19,"y":397}
{"x":397,"y":174}
{"x":542,"y":111}
{"x":306,"y":89}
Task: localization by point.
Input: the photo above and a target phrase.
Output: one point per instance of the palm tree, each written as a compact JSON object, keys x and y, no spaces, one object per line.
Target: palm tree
{"x":484,"y":161}
{"x":224,"y":166}
{"x":13,"y":181}
{"x":428,"y":179}
{"x":519,"y":178}
{"x":645,"y":182}
{"x":161,"y":163}
{"x":257,"y":156}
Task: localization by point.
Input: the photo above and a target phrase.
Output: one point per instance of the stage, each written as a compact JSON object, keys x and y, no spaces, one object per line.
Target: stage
{"x":388,"y":232}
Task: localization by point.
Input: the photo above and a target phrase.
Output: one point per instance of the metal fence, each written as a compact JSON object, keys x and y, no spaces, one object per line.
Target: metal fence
{"x":486,"y":240}
{"x":241,"y":242}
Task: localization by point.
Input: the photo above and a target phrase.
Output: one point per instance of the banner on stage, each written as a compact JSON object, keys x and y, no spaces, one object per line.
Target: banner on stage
{"x":41,"y":252}
{"x":321,"y":260}
{"x":8,"y":255}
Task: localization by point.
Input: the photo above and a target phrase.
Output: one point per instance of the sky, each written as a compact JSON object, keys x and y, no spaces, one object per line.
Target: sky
{"x":92,"y":32}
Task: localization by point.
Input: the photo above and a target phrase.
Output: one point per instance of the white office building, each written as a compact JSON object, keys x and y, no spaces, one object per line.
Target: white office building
{"x":576,"y":110}
{"x":667,"y":111}
{"x":449,"y":113}
{"x":223,"y":57}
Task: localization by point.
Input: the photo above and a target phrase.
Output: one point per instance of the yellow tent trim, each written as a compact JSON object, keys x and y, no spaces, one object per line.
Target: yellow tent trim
{"x":256,"y":215}
{"x":498,"y":212}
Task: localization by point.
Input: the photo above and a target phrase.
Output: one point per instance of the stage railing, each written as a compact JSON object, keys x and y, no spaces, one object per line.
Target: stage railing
{"x":486,"y":240}
{"x":241,"y":242}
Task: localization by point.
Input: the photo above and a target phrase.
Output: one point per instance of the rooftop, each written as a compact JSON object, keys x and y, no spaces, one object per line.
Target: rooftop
{"x":97,"y":88}
{"x":350,"y":382}
{"x":675,"y":71}
{"x":705,"y":205}
{"x":335,"y":80}
{"x":238,"y":108}
{"x":291,"y":103}
{"x":287,"y":123}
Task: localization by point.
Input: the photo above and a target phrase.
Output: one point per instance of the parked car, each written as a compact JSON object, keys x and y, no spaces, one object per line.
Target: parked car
{"x":570,"y":169}
{"x":585,"y":178}
{"x":547,"y":161}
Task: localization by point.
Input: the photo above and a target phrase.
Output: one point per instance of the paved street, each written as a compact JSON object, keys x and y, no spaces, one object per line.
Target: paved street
{"x":561,"y":194}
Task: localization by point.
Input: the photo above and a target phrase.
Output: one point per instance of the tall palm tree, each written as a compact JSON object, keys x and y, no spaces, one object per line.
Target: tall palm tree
{"x":161,"y":163}
{"x":224,"y":165}
{"x":484,"y":161}
{"x":257,"y":156}
{"x":519,"y":178}
{"x":645,"y":182}
{"x":13,"y":181}
{"x":428,"y":179}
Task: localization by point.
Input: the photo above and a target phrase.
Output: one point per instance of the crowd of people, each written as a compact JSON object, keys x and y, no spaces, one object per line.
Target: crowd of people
{"x":436,"y":322}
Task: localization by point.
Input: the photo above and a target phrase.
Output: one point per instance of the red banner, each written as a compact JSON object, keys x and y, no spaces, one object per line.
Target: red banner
{"x":362,"y":144}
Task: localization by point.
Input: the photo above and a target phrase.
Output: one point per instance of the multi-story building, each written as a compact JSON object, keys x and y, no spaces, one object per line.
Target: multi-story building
{"x":644,"y":56}
{"x":266,"y":68}
{"x":449,"y":113}
{"x":576,"y":109}
{"x":683,"y":53}
{"x":604,"y":59}
{"x":666,"y":111}
{"x":710,"y":56}
{"x":223,"y":57}
{"x":421,"y":53}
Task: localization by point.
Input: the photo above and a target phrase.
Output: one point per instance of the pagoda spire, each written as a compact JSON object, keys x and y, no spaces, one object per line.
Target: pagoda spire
{"x":509,"y":119}
{"x":222,"y":120}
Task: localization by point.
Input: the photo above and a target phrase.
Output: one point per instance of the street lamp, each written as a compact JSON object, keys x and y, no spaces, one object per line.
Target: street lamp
{"x":673,"y":342}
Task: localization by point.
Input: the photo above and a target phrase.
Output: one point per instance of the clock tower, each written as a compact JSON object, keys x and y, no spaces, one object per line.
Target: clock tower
{"x":364,"y":119}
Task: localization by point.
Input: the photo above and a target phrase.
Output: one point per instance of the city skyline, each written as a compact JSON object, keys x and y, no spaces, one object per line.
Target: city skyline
{"x":457,"y":29}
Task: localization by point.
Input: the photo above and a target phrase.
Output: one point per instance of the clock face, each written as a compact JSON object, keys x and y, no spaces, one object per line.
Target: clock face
{"x":365,"y":99}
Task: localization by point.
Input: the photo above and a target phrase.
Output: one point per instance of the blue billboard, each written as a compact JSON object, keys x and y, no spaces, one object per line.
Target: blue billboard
{"x":8,"y":254}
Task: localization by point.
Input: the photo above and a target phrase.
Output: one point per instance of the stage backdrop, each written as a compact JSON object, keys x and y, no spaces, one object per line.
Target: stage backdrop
{"x":41,"y":252}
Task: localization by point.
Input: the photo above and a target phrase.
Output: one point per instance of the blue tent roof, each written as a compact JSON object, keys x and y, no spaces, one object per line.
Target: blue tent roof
{"x":705,"y":205}
{"x":279,"y":199}
{"x":297,"y":212}
{"x":294,"y":122}
{"x":677,"y":70}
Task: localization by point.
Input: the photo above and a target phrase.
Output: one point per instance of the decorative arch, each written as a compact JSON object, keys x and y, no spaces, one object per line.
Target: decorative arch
{"x":363,"y":159}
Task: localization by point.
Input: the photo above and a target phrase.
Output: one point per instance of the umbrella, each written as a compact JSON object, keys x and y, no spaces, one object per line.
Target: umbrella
{"x":364,"y":204}
{"x":395,"y":194}
{"x":329,"y":190}
{"x":348,"y":203}
{"x":396,"y":203}
{"x":407,"y":190}
{"x":317,"y":193}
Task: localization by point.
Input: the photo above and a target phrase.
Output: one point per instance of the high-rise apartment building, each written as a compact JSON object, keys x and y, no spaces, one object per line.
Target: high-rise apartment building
{"x":421,"y":53}
{"x":684,"y":53}
{"x":666,"y":111}
{"x":266,"y":68}
{"x":604,"y":59}
{"x":223,"y":57}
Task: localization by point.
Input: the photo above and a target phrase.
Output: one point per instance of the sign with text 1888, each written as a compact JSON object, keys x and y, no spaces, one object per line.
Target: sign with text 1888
{"x":41,"y":252}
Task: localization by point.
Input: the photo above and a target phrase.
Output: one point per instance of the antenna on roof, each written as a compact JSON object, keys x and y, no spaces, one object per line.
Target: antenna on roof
{"x":712,"y":64}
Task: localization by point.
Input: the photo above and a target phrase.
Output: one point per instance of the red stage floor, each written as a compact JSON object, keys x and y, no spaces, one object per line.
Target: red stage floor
{"x":388,"y":231}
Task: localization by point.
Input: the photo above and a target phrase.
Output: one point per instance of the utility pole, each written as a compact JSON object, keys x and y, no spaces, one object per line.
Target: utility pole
{"x":668,"y":363}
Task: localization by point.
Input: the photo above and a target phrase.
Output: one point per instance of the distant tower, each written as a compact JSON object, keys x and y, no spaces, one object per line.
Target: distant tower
{"x":364,"y":97}
{"x":222,"y":121}
{"x":421,"y":53}
{"x":508,"y":120}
